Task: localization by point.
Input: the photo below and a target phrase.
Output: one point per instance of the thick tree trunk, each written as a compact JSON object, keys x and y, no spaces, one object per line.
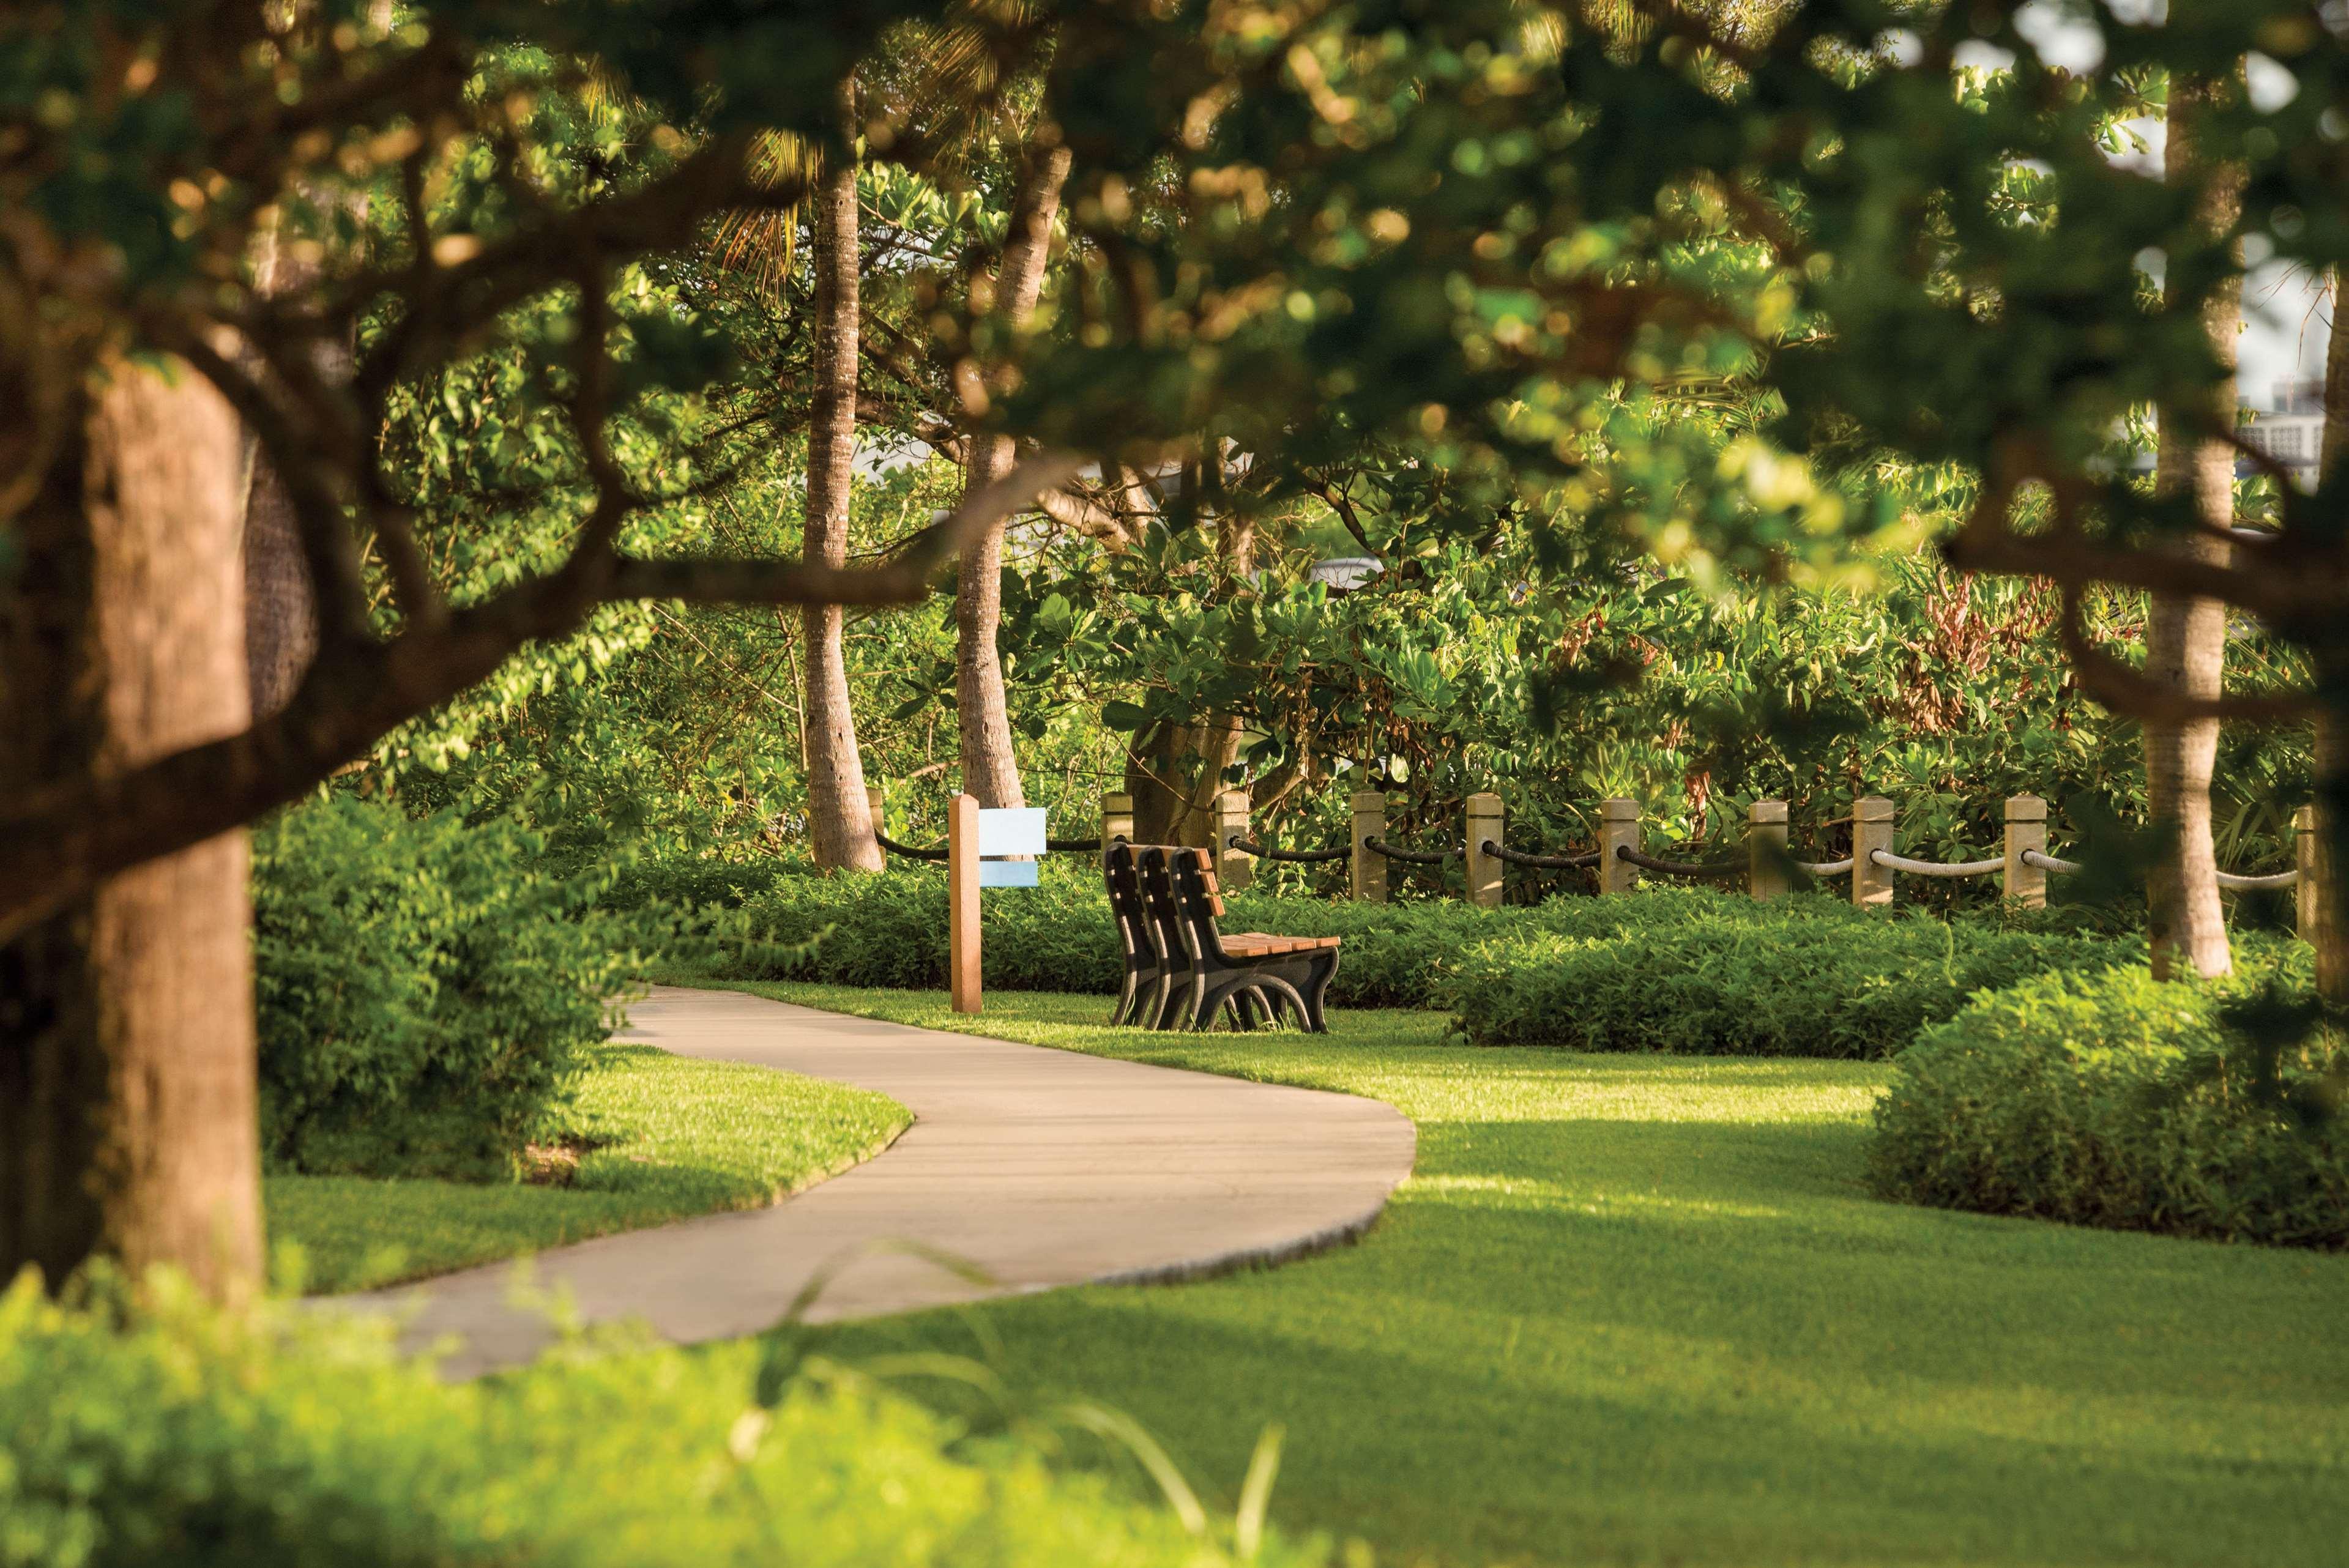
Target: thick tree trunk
{"x":989,"y":768}
{"x":2331,"y":936}
{"x":2186,"y":638}
{"x":840,"y":820}
{"x":128,"y":1125}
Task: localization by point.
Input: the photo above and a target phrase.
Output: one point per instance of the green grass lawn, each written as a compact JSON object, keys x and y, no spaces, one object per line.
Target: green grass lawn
{"x":674,"y":1137}
{"x":1638,"y":1309}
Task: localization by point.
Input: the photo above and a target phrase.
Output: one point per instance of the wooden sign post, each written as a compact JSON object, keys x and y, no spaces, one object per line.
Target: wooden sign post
{"x":984,"y":849}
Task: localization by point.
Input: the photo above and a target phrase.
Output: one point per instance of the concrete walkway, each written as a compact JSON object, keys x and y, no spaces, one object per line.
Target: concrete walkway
{"x":1035,"y":1167}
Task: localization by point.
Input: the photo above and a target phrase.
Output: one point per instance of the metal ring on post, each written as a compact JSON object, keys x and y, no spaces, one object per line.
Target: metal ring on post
{"x":1936,"y":868}
{"x":1541,"y":862}
{"x":1678,"y":867}
{"x":1298,"y":857}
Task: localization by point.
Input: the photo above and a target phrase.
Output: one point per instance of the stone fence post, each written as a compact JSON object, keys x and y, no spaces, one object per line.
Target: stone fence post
{"x":2026,"y":829}
{"x":1485,"y":823}
{"x":1619,"y":827}
{"x":1871,"y":830}
{"x":1765,"y":849}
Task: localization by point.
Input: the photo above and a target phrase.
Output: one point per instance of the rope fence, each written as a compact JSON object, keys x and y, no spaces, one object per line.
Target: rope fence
{"x":1767,"y":866}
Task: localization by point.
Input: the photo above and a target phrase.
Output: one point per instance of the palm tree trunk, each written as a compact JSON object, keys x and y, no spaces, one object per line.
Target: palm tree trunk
{"x":840,"y":819}
{"x":989,"y":768}
{"x":128,"y":1122}
{"x":2186,"y":637}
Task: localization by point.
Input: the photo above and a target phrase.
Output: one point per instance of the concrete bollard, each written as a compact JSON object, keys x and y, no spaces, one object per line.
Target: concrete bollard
{"x":1618,"y":827}
{"x":1235,"y":869}
{"x":2026,"y":829}
{"x":880,"y":819}
{"x":1485,"y":824}
{"x":1370,"y":880}
{"x":1871,"y":830}
{"x":1117,"y":820}
{"x":1765,"y":850}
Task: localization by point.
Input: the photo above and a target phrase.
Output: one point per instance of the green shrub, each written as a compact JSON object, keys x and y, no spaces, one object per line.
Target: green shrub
{"x":1664,"y":969}
{"x":2109,"y":1099}
{"x":184,"y":1435}
{"x":425,"y":989}
{"x":1712,"y":973}
{"x":890,"y":930}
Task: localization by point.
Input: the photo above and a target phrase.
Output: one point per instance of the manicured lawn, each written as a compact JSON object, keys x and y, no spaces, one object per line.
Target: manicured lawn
{"x":1637,"y":1309}
{"x":674,"y":1137}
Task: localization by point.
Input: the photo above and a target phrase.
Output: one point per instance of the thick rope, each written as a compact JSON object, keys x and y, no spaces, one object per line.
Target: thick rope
{"x":1935,"y":868}
{"x":1540,"y":862}
{"x":1408,"y":857}
{"x":1298,"y":857}
{"x":1678,"y":868}
{"x":2273,"y":882}
{"x":939,"y":852}
{"x":1824,"y":868}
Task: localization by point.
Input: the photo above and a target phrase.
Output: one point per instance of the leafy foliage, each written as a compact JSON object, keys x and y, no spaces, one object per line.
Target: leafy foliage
{"x":426,"y":989}
{"x":2106,"y":1099}
{"x":1719,"y":974}
{"x":177,"y":1433}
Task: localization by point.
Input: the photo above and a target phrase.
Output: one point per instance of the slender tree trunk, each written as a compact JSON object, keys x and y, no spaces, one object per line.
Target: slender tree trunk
{"x":127,"y":1126}
{"x":2331,"y":936}
{"x":989,"y":768}
{"x":840,"y":819}
{"x":2186,"y":638}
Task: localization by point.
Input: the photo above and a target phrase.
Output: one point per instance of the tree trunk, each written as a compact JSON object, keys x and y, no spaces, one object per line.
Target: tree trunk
{"x":989,"y":768}
{"x":840,"y":819}
{"x":2331,"y":936}
{"x":127,"y":1124}
{"x":1176,"y":773}
{"x":2186,"y":638}
{"x":281,"y":619}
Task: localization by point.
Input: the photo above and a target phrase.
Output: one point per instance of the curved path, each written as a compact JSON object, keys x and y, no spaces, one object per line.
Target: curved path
{"x":1033,"y":1167}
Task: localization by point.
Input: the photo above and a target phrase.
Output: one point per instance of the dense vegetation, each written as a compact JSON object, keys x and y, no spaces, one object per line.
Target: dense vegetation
{"x":2104,"y":1098}
{"x":427,"y":990}
{"x":178,"y":1434}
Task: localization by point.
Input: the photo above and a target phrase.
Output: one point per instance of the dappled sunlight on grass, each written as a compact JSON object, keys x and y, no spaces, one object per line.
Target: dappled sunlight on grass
{"x":1642,"y":1309}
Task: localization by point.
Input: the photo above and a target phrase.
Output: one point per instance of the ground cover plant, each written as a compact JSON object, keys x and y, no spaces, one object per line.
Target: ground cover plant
{"x":179,"y":1434}
{"x":1643,"y":1309}
{"x":648,"y":1138}
{"x":2112,"y":1099}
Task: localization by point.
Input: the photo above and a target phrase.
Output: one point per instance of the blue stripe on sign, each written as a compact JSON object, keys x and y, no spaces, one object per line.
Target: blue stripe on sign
{"x":1013,"y":832}
{"x":1008,"y":873}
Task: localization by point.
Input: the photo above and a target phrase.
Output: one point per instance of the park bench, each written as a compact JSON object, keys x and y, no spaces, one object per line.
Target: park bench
{"x":1181,"y":969}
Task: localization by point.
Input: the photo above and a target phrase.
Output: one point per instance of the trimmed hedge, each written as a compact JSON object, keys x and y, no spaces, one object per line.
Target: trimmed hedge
{"x":426,"y":989}
{"x":1664,"y":969}
{"x":1710,"y":973}
{"x":889,"y":929}
{"x":2108,"y":1099}
{"x":181,"y":1435}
